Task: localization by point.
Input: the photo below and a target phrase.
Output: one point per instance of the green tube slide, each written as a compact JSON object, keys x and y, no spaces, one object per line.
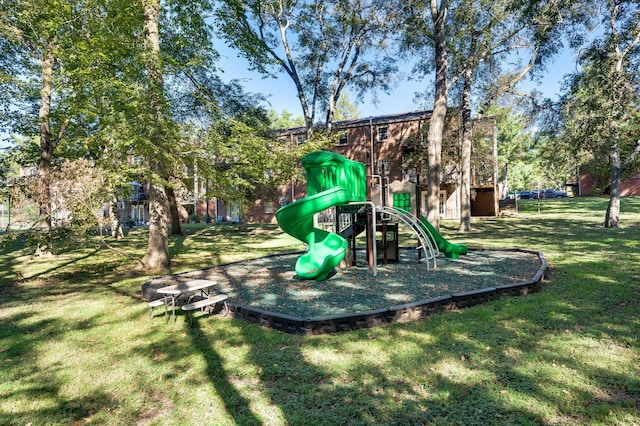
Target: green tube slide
{"x":325,"y":249}
{"x":450,"y":250}
{"x":332,"y":180}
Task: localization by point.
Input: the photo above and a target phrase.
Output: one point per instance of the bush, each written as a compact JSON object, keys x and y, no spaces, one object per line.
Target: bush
{"x":49,"y":241}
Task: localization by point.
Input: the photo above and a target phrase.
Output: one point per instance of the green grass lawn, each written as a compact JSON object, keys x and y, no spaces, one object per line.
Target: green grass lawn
{"x":76,"y":345}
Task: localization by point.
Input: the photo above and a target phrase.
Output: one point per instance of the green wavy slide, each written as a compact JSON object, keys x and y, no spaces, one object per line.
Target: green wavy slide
{"x":450,"y":250}
{"x":332,"y":180}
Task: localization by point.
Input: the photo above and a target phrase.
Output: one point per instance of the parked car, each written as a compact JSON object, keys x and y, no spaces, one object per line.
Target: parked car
{"x":525,"y":195}
{"x":549,"y":193}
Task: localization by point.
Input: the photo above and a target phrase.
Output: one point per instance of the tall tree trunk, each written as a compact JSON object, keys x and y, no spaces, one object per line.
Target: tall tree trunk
{"x":176,"y":229}
{"x":505,"y":181}
{"x":157,"y":255}
{"x":47,"y":144}
{"x":436,"y":124}
{"x":116,"y":220}
{"x":612,"y":218}
{"x":465,"y":155}
{"x":242,"y":220}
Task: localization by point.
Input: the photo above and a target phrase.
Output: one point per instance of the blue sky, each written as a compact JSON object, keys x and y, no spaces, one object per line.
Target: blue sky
{"x":281,"y":93}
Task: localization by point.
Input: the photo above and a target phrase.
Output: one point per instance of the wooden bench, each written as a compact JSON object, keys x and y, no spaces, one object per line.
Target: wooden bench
{"x":203,"y":303}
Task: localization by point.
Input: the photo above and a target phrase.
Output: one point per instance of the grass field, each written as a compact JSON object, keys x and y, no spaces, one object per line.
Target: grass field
{"x":76,"y":346}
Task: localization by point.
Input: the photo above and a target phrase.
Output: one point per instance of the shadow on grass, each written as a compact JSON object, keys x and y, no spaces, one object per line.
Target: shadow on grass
{"x":217,"y":242}
{"x":466,"y":369}
{"x":305,"y":379}
{"x":237,"y":406}
{"x":21,"y":341}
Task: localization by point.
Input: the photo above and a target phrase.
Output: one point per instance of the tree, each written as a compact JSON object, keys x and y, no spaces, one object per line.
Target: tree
{"x":514,"y":146}
{"x":601,"y":100}
{"x":425,"y":33}
{"x":284,"y":120}
{"x":37,"y":39}
{"x":324,"y":47}
{"x":157,"y":255}
{"x":436,"y":123}
{"x":345,"y":109}
{"x":58,"y":75}
{"x":141,"y":113}
{"x":110,"y":63}
{"x":467,"y":41}
{"x":228,"y":135}
{"x":81,"y":191}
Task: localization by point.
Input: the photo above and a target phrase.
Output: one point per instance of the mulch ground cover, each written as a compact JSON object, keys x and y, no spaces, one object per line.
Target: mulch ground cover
{"x":270,"y":283}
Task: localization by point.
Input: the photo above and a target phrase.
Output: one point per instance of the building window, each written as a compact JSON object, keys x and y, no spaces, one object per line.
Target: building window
{"x":300,"y":139}
{"x":269,"y":207}
{"x":411,"y":175}
{"x":383,"y":133}
{"x":443,"y":203}
{"x":343,"y":140}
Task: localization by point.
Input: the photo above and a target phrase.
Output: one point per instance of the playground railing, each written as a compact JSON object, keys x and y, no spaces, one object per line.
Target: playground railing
{"x":429,"y":249}
{"x":326,"y":220}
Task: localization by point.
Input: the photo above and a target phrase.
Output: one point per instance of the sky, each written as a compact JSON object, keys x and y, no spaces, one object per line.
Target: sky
{"x":281,"y":93}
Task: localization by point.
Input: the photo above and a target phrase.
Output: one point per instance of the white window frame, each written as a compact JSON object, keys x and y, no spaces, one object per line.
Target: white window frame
{"x":300,"y":139}
{"x":343,"y":140}
{"x":383,"y":135}
{"x":443,"y":202}
{"x":269,"y":207}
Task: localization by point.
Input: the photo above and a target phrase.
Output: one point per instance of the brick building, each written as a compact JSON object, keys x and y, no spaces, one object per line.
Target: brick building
{"x":382,"y":144}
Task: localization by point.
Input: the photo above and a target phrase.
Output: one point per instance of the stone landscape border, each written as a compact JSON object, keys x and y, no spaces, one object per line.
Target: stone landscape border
{"x":400,"y":313}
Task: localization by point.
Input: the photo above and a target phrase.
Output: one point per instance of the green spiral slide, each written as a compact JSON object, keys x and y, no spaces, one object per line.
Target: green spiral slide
{"x":332,"y":180}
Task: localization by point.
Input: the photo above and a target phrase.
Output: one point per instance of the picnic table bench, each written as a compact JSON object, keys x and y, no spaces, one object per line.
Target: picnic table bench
{"x":157,"y":303}
{"x":203,"y":303}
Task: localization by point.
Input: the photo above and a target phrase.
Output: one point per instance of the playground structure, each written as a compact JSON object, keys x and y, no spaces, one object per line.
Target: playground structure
{"x":337,"y":191}
{"x":267,"y":291}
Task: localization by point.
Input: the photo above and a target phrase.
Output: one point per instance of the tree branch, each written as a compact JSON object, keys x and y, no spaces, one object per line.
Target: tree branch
{"x":634,"y":154}
{"x":120,"y":252}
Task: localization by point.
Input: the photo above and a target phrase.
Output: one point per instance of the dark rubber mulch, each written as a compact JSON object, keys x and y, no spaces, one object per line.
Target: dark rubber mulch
{"x":270,"y":283}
